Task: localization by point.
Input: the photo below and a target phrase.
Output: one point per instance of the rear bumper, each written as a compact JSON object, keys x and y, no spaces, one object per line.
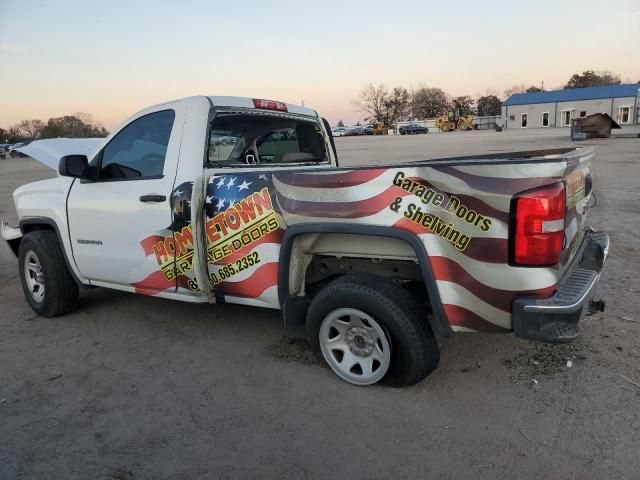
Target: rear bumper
{"x":556,"y":319}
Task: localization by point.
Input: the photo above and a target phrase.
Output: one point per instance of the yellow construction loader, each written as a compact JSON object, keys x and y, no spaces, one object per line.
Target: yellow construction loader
{"x":454,"y":120}
{"x":379,"y":128}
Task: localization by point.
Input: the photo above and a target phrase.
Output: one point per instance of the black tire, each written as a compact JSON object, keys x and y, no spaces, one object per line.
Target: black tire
{"x":414,"y":351}
{"x":60,"y":288}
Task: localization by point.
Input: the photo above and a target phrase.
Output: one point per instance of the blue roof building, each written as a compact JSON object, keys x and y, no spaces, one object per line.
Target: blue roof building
{"x":558,"y":107}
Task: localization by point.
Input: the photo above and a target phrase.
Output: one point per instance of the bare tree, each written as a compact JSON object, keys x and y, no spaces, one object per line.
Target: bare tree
{"x":397,"y":105}
{"x":489,"y":105}
{"x":71,"y":126}
{"x":30,"y":128}
{"x":382,"y":105}
{"x":514,"y":89}
{"x":371,"y":102}
{"x":429,"y":102}
{"x":463,"y":105}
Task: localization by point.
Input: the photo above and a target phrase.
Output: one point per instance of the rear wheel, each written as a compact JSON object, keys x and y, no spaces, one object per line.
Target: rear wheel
{"x":445,"y":127}
{"x":371,"y":329}
{"x":463,"y":126}
{"x":47,"y":283}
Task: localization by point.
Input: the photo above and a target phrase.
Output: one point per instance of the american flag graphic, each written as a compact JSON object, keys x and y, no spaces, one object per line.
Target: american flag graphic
{"x":257,"y":282}
{"x":475,"y":284}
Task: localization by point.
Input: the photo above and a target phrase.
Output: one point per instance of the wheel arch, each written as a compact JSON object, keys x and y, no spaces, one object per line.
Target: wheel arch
{"x":32,"y":224}
{"x":294,"y":308}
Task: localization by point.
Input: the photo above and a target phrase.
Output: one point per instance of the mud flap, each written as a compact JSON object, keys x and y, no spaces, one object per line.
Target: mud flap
{"x":12,"y":235}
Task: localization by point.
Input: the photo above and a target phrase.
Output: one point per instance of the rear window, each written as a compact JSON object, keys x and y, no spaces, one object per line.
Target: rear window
{"x":239,"y":138}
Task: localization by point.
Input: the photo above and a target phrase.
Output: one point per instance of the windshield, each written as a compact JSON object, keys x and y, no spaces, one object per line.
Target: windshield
{"x":246,"y":138}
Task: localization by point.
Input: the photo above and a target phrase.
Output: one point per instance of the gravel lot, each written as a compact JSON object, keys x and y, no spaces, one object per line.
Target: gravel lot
{"x":131,"y":387}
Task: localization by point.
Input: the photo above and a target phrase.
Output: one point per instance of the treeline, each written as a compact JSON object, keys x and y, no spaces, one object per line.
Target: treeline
{"x":381,"y":104}
{"x":80,"y":125}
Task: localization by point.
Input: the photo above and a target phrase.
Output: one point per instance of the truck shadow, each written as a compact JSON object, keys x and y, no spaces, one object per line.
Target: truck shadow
{"x":485,"y":357}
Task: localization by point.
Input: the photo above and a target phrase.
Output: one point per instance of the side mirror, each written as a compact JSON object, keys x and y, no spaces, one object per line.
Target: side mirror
{"x":73,"y":165}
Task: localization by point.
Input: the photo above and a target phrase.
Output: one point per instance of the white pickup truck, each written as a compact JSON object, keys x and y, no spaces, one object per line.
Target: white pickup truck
{"x":240,"y":200}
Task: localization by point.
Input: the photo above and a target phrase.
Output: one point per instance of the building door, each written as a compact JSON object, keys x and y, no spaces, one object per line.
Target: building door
{"x":545,"y":119}
{"x":523,"y":120}
{"x":624,"y":114}
{"x":565,"y":115}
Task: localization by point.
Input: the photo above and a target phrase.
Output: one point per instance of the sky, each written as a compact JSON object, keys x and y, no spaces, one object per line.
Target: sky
{"x":113,"y":58}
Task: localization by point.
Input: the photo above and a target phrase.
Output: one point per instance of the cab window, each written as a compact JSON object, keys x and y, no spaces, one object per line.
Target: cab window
{"x":139,"y":149}
{"x":240,"y":138}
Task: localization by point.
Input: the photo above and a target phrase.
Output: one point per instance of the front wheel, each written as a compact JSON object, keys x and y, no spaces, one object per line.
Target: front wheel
{"x":46,"y":281}
{"x":371,"y":329}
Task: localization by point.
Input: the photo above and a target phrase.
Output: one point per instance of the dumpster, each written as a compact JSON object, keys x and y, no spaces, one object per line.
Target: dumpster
{"x":598,"y":125}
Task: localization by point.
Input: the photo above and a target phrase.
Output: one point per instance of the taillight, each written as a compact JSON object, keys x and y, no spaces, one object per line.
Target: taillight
{"x":537,"y":228}
{"x":269,"y":105}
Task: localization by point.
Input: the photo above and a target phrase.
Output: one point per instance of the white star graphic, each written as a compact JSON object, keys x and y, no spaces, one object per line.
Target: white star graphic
{"x":263,"y":177}
{"x":244,"y":185}
{"x":209,"y":199}
{"x":231,"y":182}
{"x":178,"y":193}
{"x":220,"y":204}
{"x":212,"y":178}
{"x":220,"y":183}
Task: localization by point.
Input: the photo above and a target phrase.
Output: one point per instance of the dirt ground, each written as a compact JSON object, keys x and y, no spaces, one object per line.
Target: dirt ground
{"x":132,"y":387}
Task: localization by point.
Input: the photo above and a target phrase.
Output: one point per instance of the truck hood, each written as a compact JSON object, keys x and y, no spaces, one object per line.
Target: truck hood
{"x":51,"y":150}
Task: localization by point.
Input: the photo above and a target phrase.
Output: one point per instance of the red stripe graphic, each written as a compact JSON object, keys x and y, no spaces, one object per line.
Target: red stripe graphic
{"x":157,"y":282}
{"x":461,"y":317}
{"x":333,"y":180}
{"x":273,"y":237}
{"x":502,"y":186}
{"x":264,"y":277}
{"x":468,"y":201}
{"x":490,"y":250}
{"x":360,"y":208}
{"x":446,"y":269}
{"x":148,"y":243}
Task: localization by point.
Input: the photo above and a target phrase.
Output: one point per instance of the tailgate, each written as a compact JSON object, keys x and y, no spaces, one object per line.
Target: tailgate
{"x":578,"y":180}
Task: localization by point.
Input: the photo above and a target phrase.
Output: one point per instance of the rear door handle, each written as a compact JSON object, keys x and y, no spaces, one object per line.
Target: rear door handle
{"x":152,"y":197}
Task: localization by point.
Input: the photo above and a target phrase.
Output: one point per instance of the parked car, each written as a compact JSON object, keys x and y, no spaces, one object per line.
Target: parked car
{"x":13,"y":152}
{"x":368,"y":130}
{"x":365,"y":261}
{"x":412,"y":128}
{"x":339,"y":131}
{"x":355,"y":132}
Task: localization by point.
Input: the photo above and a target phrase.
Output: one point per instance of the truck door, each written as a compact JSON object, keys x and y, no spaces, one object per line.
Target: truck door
{"x":116,"y":220}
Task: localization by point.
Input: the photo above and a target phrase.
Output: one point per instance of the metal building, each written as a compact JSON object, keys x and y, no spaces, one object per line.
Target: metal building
{"x":558,"y":107}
